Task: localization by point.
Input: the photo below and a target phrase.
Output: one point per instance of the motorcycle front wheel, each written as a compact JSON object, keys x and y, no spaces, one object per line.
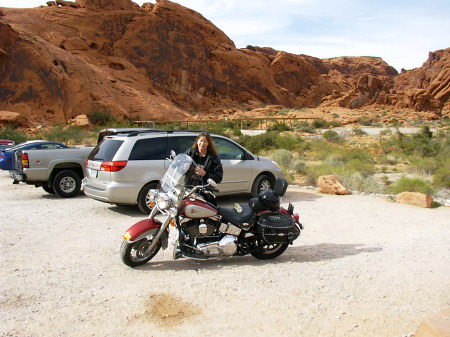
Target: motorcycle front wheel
{"x":270,"y":251}
{"x":137,"y":253}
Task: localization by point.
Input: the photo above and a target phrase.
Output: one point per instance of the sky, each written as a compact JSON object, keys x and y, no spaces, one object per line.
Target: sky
{"x":401,"y":32}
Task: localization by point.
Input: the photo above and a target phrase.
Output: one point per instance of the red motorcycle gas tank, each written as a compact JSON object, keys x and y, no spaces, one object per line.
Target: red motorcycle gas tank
{"x":196,"y":209}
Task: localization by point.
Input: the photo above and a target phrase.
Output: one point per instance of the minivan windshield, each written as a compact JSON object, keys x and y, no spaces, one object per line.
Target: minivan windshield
{"x":105,"y":150}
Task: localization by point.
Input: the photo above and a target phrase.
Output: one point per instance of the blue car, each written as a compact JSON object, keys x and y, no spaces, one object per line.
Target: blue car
{"x":6,"y":155}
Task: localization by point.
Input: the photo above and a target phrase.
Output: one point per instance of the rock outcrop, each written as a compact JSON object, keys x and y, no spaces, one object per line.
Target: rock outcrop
{"x":163,"y":61}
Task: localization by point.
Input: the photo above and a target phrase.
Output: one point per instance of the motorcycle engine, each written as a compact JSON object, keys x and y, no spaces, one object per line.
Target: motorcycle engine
{"x":201,"y":227}
{"x":208,"y":239}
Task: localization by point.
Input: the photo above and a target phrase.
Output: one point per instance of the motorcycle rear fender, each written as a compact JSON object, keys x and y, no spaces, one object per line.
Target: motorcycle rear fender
{"x":146,"y":227}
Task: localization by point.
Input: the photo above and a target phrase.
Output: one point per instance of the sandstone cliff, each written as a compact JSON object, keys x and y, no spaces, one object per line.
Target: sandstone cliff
{"x":163,"y":61}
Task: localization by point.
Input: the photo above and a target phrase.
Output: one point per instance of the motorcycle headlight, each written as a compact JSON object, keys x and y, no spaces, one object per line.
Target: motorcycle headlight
{"x":163,"y":201}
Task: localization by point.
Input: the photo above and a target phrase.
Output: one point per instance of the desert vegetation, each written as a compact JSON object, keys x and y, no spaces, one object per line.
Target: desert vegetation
{"x":389,"y":162}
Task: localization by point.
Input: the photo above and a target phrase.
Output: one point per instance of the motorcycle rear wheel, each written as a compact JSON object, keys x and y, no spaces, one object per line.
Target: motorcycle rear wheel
{"x":268,"y":252}
{"x":136,"y":253}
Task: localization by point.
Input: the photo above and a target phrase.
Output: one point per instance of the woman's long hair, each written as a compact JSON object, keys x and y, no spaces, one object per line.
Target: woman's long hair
{"x":211,"y":146}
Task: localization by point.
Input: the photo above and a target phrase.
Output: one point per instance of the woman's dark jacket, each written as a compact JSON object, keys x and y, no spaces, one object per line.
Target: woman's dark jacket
{"x":212,"y":166}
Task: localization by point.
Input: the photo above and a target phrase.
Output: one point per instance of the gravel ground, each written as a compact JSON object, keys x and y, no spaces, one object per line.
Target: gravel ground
{"x":364,"y":266}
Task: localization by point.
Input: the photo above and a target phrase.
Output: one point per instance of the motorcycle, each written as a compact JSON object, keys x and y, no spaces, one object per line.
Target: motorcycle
{"x":262,"y":228}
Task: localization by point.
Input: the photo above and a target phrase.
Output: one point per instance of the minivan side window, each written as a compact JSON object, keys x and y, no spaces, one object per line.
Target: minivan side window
{"x":228,"y":150}
{"x":105,"y":150}
{"x":149,"y":149}
{"x":180,"y":144}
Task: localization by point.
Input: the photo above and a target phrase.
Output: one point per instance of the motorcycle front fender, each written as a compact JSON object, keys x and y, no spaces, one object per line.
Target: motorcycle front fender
{"x":146,"y":227}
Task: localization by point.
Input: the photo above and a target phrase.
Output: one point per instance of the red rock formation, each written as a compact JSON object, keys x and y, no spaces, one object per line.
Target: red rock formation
{"x":428,"y":87}
{"x":162,"y":60}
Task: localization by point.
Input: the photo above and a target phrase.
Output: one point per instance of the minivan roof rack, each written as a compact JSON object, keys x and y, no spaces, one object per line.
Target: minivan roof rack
{"x":135,"y":133}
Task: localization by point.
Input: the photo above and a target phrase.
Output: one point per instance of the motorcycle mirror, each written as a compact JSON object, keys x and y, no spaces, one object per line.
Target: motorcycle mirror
{"x":173,"y":154}
{"x":211,"y":183}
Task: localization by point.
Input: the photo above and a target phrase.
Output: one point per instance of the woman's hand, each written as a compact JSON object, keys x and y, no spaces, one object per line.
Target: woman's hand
{"x":200,"y":171}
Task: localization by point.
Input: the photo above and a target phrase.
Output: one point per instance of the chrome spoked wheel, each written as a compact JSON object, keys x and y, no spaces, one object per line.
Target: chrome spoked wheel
{"x":138,"y":252}
{"x":270,"y":251}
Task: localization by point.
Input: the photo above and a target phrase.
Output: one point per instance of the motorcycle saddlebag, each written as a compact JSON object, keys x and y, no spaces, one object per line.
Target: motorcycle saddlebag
{"x":277,"y":228}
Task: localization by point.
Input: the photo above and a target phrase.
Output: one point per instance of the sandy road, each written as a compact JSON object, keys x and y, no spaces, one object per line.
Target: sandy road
{"x":364,"y":266}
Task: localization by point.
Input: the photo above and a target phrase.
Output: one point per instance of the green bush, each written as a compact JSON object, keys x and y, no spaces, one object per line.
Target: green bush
{"x":283,"y":157}
{"x":423,"y":166}
{"x":358,"y":182}
{"x":332,"y":136}
{"x":272,"y":140}
{"x":71,"y":134}
{"x":278,"y":126}
{"x":13,"y":134}
{"x":319,"y":123}
{"x":359,"y":132}
{"x":101,"y":118}
{"x":303,"y":127}
{"x":406,"y":184}
{"x":419,"y":144}
{"x":299,"y":167}
{"x":441,"y":177}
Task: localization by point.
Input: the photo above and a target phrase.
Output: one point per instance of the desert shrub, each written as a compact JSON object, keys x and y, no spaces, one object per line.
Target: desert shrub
{"x":441,"y":177}
{"x":358,"y":182}
{"x":385,"y":132}
{"x":365,"y":121}
{"x":320,"y":149}
{"x":222,"y":128}
{"x":258,"y":143}
{"x":332,"y":136}
{"x":304,"y":127}
{"x":272,"y":140}
{"x":299,"y":166}
{"x":279,"y":126}
{"x":103,"y":118}
{"x":421,"y":144}
{"x":319,"y":123}
{"x":406,"y":184}
{"x":359,"y":132}
{"x":364,"y":168}
{"x":71,"y":134}
{"x":13,"y":134}
{"x":283,"y":157}
{"x":423,"y":166}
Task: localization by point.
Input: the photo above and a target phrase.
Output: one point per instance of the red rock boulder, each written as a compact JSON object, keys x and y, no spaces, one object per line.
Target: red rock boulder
{"x":415,"y":198}
{"x":331,"y":185}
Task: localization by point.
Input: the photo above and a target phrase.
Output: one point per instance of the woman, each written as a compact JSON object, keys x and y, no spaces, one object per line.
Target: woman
{"x":204,"y":154}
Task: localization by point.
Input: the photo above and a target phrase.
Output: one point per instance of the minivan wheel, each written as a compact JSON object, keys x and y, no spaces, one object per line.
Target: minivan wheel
{"x":143,"y":200}
{"x":261,"y":183}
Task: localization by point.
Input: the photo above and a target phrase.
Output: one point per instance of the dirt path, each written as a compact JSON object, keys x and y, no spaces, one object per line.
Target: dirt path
{"x":364,"y":266}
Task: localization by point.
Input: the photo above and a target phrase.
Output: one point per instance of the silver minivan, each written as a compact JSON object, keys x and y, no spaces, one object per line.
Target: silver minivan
{"x":122,"y":168}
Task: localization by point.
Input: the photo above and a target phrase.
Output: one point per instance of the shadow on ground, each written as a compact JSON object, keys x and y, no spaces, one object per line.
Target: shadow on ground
{"x":314,"y":253}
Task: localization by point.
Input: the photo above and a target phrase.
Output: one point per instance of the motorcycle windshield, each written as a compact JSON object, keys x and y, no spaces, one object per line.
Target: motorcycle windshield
{"x":178,"y":172}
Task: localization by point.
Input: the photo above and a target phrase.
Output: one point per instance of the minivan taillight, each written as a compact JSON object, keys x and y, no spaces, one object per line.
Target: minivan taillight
{"x":86,"y":163}
{"x":113,"y":166}
{"x":25,"y":163}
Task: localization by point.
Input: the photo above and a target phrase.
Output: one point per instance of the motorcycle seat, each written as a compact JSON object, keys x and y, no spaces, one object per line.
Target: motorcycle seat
{"x":238,"y":219}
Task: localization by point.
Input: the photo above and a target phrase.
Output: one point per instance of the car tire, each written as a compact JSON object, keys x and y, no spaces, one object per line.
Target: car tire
{"x":261,"y":183}
{"x":142,"y":201}
{"x":67,"y":184}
